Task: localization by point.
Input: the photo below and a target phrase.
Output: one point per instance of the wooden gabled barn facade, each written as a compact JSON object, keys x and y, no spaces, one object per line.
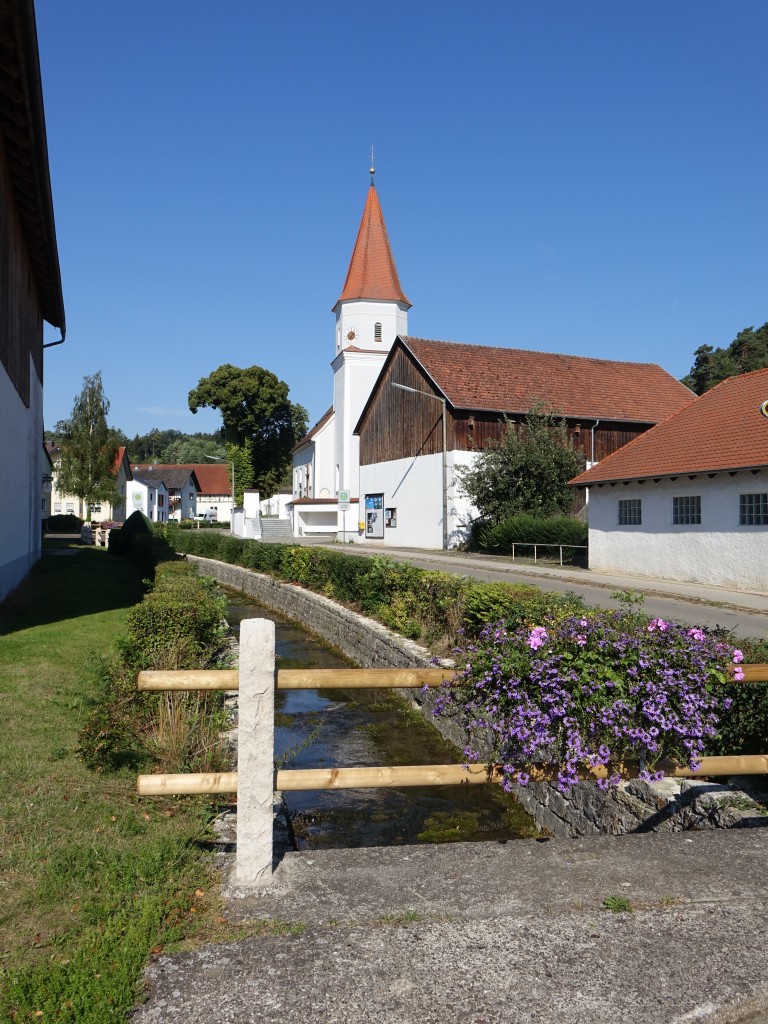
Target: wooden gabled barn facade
{"x":605,"y":404}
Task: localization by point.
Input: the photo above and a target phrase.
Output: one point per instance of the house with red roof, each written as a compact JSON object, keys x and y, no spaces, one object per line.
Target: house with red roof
{"x":688,"y":500}
{"x":408,"y":411}
{"x":103,"y":511}
{"x":210,"y":480}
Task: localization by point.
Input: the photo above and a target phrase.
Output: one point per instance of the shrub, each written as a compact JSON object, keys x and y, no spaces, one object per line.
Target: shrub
{"x":514,"y":604}
{"x":744,"y":730}
{"x":528,"y":529}
{"x":590,"y":693}
{"x":178,"y":625}
{"x":64,"y":524}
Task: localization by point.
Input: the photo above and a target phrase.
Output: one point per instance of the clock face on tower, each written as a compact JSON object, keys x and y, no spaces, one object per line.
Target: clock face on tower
{"x":351,"y":334}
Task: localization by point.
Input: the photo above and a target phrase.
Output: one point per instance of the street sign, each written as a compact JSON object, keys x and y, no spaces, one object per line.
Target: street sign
{"x":344,"y":502}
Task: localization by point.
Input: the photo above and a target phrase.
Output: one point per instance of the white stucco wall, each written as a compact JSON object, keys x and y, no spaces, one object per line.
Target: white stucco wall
{"x":361,"y":316}
{"x":354,"y":374}
{"x":145,"y":497}
{"x":415,"y":488}
{"x":221,"y":505}
{"x":718,"y":552}
{"x":21,"y":441}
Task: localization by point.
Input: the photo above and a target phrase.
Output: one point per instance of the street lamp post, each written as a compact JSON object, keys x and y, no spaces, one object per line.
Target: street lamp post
{"x":442,"y":401}
{"x":215,"y":458}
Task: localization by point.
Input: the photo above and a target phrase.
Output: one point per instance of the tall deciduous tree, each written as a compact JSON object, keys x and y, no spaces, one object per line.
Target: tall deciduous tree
{"x":748,"y":351}
{"x":255,"y":408}
{"x":89,"y":448}
{"x":527,"y":471}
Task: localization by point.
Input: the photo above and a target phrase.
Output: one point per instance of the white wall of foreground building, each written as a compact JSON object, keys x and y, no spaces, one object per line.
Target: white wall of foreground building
{"x":21,"y":443}
{"x":718,"y":552}
{"x":412,"y":492}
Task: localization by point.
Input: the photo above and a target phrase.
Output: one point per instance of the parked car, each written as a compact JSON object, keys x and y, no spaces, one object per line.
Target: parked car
{"x":206,"y":517}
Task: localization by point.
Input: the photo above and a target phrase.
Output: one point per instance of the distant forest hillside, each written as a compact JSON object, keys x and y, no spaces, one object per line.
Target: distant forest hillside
{"x":160,"y":445}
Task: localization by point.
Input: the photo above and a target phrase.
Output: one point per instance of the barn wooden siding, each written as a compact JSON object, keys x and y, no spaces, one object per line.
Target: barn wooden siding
{"x":21,"y":321}
{"x":401,"y":425}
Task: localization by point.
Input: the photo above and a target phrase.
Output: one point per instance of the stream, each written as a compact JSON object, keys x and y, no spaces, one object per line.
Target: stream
{"x":348,"y":728}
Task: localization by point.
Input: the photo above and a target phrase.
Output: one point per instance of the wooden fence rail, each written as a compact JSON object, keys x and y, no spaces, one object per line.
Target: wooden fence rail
{"x":256,"y":779}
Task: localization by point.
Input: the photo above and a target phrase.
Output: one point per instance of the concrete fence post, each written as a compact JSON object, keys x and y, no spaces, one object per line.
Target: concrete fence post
{"x":255,"y":751}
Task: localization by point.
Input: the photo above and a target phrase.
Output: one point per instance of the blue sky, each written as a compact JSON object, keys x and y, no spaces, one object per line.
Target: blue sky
{"x":584,"y":177}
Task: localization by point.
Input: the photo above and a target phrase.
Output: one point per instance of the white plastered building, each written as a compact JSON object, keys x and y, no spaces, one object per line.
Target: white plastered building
{"x":688,"y":500}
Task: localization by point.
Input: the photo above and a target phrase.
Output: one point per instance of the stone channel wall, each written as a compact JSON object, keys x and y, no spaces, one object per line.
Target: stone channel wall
{"x":672,"y":805}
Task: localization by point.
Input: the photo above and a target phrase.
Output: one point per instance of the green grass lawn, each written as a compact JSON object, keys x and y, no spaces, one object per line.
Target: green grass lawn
{"x":91,"y":878}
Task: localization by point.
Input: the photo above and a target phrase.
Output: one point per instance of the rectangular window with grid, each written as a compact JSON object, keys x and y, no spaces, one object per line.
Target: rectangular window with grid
{"x":753,"y":509}
{"x":630,"y":512}
{"x":686,"y":510}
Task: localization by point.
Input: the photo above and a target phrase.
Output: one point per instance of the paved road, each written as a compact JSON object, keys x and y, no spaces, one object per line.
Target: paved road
{"x":744,"y":613}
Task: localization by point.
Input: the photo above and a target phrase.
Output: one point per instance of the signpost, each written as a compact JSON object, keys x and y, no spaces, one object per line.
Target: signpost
{"x":344,"y":504}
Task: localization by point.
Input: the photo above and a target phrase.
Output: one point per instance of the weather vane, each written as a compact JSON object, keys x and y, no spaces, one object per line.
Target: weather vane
{"x":373,"y":169}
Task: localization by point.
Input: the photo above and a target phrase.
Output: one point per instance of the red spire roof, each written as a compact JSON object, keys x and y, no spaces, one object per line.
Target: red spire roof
{"x":372,"y":272}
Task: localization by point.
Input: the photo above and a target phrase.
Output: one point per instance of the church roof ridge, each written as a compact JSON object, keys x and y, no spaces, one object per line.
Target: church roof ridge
{"x":372,"y":273}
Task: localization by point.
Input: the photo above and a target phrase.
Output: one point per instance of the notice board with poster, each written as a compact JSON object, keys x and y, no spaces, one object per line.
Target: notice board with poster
{"x":374,"y":515}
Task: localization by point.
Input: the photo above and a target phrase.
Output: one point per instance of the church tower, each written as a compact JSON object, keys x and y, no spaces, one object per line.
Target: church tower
{"x":371,"y":312}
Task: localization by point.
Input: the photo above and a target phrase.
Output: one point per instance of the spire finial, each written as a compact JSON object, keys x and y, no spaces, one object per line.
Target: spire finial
{"x":373,"y":169}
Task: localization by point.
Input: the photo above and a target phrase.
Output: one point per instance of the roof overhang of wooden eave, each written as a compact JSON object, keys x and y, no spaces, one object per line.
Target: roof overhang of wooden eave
{"x":22,"y":125}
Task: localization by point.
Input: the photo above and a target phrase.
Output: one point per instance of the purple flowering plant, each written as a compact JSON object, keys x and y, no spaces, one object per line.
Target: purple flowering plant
{"x":599,"y":689}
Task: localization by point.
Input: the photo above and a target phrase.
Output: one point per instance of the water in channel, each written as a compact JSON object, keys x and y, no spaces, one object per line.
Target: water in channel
{"x":347,"y":728}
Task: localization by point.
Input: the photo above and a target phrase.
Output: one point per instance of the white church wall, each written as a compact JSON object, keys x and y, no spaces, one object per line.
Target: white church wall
{"x":355,"y":374}
{"x":362,"y":316}
{"x":718,"y":551}
{"x":21,"y":441}
{"x":324,"y":467}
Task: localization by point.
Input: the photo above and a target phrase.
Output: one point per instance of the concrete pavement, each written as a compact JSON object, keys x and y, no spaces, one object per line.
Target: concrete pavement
{"x":492,"y":933}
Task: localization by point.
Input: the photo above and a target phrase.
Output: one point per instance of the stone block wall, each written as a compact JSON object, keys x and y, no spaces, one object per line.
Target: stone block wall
{"x":672,"y":805}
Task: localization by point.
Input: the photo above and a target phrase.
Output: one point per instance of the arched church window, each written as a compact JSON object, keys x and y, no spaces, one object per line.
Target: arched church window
{"x":377,"y":332}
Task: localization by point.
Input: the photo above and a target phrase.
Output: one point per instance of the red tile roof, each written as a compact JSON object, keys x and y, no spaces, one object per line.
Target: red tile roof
{"x":724,"y":429}
{"x":372,"y":272}
{"x":212,"y":477}
{"x":482,"y":377}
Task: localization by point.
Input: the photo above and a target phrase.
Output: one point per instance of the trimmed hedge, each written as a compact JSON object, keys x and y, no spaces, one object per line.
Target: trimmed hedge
{"x":179,"y":625}
{"x":416,"y":603}
{"x":63,"y":524}
{"x":527,"y":529}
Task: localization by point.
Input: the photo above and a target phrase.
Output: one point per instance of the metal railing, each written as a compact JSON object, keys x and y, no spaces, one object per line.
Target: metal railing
{"x":256,"y":779}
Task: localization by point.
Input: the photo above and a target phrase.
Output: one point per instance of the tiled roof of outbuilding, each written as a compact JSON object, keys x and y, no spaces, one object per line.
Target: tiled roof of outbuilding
{"x":484,"y":377}
{"x":724,"y":429}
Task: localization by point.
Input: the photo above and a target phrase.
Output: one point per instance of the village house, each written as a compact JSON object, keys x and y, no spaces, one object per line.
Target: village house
{"x":688,"y":500}
{"x":149,"y":496}
{"x":407,"y":411}
{"x":102,"y":511}
{"x":181,"y":484}
{"x":31,"y":291}
{"x":214,"y":494}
